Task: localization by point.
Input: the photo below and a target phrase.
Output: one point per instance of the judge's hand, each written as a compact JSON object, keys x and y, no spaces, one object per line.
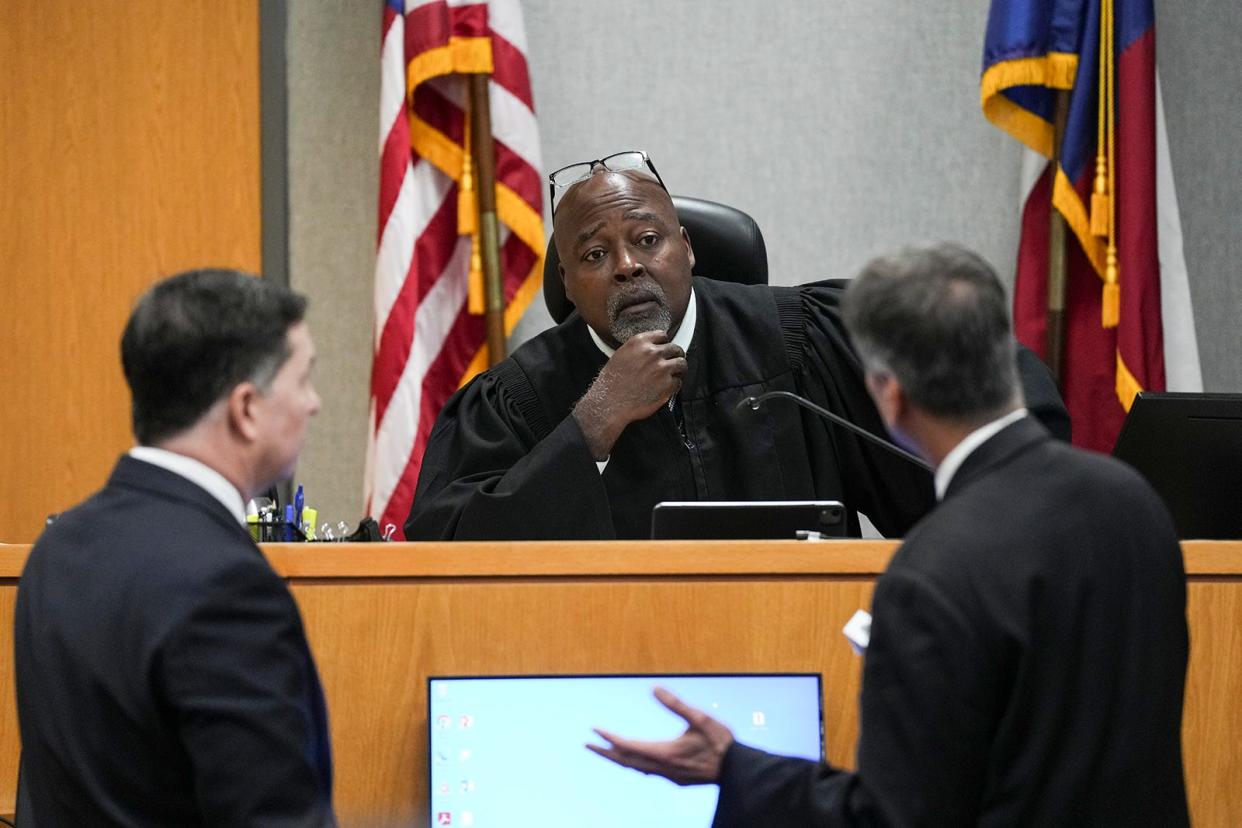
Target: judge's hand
{"x":641,"y":376}
{"x":693,"y":758}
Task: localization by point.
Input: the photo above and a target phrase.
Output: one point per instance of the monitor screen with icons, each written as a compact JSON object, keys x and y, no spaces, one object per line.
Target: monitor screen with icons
{"x":511,"y":750}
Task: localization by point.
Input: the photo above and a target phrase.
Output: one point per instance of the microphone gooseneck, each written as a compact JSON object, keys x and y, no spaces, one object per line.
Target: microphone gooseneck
{"x":753,"y":404}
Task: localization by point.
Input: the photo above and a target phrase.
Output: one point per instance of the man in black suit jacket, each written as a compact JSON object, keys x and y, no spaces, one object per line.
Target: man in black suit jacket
{"x":1027,"y":657}
{"x":163,"y":675}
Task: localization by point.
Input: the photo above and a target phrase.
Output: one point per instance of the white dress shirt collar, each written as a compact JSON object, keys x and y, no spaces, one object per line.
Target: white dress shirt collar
{"x":954,"y":459}
{"x":681,"y":339}
{"x":200,"y":474}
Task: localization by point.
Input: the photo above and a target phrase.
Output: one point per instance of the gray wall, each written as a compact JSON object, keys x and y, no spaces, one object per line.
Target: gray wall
{"x":844,"y":128}
{"x":333,"y":163}
{"x":1197,"y":52}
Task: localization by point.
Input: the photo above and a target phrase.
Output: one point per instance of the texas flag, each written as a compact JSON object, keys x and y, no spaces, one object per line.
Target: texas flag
{"x":1127,"y":320}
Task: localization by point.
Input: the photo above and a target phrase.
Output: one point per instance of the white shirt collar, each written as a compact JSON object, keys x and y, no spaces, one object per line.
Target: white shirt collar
{"x":954,"y":459}
{"x":681,"y":339}
{"x":200,"y":474}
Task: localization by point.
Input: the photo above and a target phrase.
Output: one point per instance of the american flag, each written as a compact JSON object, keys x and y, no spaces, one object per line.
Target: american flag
{"x":430,"y":335}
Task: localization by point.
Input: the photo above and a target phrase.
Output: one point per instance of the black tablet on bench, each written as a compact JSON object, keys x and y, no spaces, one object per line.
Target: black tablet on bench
{"x":746,"y":520}
{"x":1189,"y":447}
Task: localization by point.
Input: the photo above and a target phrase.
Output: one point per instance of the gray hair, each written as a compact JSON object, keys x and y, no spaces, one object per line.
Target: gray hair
{"x":935,"y":317}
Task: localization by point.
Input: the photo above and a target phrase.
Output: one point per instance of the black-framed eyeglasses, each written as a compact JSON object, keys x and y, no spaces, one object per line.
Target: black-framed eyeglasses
{"x":628,"y":161}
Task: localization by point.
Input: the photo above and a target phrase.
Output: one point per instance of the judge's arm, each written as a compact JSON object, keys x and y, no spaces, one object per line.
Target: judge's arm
{"x":490,"y":473}
{"x":238,"y":680}
{"x":1039,"y":391}
{"x":893,"y":492}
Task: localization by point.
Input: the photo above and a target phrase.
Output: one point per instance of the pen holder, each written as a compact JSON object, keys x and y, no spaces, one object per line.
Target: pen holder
{"x":278,"y":532}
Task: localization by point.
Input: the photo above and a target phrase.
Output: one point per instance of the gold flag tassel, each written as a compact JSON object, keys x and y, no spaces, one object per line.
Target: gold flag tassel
{"x":1100,"y":206}
{"x":1110,"y":302}
{"x":1100,"y":201}
{"x":468,"y":223}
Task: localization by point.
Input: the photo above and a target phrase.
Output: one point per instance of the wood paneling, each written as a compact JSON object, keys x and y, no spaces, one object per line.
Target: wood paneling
{"x":380,"y":619}
{"x":10,"y":740}
{"x":130,"y":135}
{"x":1212,"y":721}
{"x":375,"y":663}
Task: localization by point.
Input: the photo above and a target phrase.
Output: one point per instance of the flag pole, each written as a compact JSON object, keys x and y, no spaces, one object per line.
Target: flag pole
{"x":489,"y":230}
{"x":1054,"y":342}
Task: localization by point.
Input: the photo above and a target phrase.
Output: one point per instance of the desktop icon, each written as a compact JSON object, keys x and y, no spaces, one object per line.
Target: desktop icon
{"x":444,"y":818}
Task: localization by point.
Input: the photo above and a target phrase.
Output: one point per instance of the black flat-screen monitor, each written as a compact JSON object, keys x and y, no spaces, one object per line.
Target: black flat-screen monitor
{"x":746,"y":520}
{"x":1189,"y":447}
{"x":510,"y":751}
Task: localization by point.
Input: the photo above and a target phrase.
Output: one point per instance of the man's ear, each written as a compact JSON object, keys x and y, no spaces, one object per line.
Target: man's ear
{"x":889,"y":397}
{"x":241,"y":405}
{"x":685,"y":237}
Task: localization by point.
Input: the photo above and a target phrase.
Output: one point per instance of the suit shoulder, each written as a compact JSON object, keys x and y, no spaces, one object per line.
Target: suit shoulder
{"x":146,"y":543}
{"x":1052,"y":497}
{"x":1098,"y":477}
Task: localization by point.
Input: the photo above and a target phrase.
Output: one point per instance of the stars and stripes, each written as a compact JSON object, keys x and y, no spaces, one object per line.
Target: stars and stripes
{"x":429,"y":329}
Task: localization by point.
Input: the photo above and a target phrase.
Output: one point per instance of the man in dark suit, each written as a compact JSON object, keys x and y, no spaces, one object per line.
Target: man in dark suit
{"x":1027,"y":657}
{"x":163,"y":675}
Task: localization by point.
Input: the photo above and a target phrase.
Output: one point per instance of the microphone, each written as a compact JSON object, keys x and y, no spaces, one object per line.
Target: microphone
{"x":753,"y":404}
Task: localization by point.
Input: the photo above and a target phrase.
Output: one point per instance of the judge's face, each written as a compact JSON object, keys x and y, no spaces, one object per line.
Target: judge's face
{"x":625,"y":259}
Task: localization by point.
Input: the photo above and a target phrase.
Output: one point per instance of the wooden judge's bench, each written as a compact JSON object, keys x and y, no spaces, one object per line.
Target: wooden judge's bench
{"x":382,"y":617}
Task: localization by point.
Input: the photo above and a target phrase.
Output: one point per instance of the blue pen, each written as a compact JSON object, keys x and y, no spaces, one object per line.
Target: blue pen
{"x":298,"y":502}
{"x":287,"y":529}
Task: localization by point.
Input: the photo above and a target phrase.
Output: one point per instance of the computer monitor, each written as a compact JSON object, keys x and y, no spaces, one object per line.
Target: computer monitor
{"x":1189,"y":447}
{"x":510,"y":750}
{"x":746,"y":520}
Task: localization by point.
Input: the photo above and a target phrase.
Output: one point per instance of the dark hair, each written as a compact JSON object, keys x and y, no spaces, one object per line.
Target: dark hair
{"x":936,"y":318}
{"x":194,"y":336}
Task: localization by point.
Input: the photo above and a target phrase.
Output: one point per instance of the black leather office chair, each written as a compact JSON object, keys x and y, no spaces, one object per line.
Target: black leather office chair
{"x":727,"y":246}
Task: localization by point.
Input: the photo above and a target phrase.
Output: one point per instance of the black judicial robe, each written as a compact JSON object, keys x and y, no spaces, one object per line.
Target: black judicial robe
{"x":506,"y":460}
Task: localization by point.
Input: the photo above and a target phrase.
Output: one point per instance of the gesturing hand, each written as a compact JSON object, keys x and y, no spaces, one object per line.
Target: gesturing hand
{"x":639,"y":378}
{"x":693,"y":758}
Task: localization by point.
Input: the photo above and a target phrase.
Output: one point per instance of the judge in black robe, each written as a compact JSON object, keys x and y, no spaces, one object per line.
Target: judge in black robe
{"x":508,"y":457}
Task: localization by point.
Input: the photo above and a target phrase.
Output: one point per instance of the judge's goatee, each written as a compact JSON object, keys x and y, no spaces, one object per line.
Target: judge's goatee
{"x":625,"y":319}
